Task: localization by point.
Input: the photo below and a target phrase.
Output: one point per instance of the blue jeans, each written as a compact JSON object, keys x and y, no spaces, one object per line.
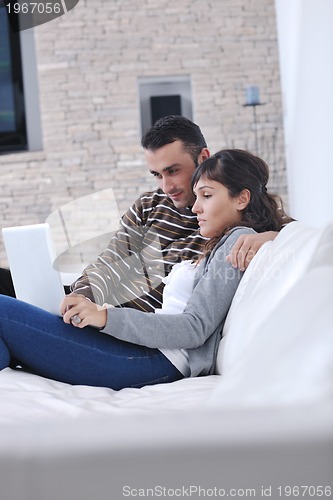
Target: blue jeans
{"x":47,"y":346}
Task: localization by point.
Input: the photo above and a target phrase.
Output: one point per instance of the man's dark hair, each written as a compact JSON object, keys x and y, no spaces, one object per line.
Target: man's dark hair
{"x":175,"y":128}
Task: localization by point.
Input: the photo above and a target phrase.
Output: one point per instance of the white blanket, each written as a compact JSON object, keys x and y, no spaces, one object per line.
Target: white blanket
{"x":29,"y":398}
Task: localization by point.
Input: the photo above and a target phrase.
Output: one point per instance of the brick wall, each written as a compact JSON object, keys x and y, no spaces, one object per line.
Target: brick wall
{"x":89,"y":62}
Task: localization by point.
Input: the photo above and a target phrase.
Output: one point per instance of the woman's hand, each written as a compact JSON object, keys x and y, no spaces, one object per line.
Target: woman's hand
{"x":247,"y":246}
{"x":80,"y":312}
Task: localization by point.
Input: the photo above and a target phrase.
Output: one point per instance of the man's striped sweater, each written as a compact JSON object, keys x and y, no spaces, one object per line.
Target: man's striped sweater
{"x":153,"y":236}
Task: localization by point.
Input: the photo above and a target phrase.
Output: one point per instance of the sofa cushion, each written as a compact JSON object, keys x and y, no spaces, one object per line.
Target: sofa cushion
{"x":277,"y":267}
{"x":290,"y":357}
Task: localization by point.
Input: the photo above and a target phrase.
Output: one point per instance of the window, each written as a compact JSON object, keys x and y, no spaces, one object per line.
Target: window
{"x":20,"y":123}
{"x":161,"y":96}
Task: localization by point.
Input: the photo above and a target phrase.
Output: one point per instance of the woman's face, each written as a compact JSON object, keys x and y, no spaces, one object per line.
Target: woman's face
{"x":215,"y":208}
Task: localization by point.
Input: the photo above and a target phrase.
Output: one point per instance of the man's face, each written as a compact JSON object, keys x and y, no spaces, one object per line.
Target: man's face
{"x":173,"y":168}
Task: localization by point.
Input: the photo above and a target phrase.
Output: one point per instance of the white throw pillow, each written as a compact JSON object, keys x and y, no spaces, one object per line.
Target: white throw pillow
{"x":271,"y":274}
{"x":290,"y":357}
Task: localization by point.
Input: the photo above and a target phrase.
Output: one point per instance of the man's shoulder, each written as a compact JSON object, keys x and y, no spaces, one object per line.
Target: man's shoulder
{"x":159,"y":201}
{"x":155,"y":207}
{"x":155,"y":197}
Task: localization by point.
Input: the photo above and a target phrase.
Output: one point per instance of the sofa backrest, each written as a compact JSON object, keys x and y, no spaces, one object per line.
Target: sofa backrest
{"x":289,"y":362}
{"x":275,"y":270}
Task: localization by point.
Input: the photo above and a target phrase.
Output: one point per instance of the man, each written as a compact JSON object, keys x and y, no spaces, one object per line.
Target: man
{"x":159,"y":229}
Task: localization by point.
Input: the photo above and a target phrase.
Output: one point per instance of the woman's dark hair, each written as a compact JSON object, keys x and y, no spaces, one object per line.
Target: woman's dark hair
{"x":175,"y":128}
{"x":237,"y":169}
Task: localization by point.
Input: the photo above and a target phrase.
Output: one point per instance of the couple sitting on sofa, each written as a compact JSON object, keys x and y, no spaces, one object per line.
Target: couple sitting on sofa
{"x":96,"y":343}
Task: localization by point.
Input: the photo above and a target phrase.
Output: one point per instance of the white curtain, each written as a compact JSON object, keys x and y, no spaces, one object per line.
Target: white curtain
{"x":305,"y":34}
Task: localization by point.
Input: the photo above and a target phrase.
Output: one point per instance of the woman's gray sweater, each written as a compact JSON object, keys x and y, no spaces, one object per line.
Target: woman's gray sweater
{"x":199,"y":328}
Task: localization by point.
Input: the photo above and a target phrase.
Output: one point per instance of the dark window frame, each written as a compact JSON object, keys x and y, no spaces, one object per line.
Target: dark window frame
{"x":15,"y":140}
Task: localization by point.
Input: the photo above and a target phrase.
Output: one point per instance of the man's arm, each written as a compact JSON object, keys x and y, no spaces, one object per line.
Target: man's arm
{"x":247,"y":246}
{"x":154,"y":235}
{"x":119,"y":273}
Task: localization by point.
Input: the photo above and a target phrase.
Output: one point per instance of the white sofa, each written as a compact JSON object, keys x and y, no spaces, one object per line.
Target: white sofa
{"x":262,"y":425}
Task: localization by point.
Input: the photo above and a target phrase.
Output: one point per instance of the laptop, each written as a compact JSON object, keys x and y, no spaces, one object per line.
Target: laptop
{"x":31,"y":254}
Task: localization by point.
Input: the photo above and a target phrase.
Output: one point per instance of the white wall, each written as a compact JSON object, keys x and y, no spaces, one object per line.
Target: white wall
{"x":305,"y":37}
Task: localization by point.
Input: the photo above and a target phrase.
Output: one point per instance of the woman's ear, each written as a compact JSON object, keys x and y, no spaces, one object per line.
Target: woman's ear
{"x":243,"y":199}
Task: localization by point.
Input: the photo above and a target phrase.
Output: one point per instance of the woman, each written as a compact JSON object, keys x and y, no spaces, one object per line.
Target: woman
{"x":114,"y":347}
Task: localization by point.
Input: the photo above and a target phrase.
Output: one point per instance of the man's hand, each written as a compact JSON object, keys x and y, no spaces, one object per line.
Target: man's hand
{"x":80,"y":312}
{"x":247,"y":246}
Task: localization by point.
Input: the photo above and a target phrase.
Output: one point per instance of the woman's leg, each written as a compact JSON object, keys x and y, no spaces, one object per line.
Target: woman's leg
{"x":53,"y":349}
